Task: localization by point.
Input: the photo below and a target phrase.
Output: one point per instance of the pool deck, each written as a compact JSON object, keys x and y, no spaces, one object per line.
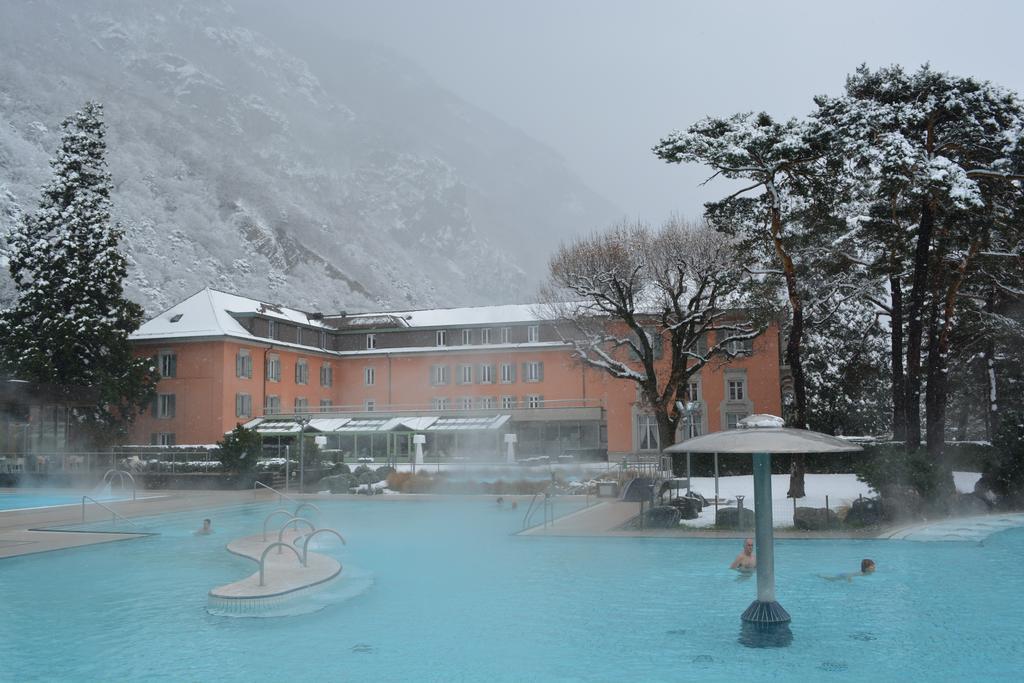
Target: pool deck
{"x":606,"y":519}
{"x":22,"y":531}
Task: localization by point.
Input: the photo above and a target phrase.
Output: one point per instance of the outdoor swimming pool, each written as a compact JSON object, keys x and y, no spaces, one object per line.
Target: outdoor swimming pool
{"x":44,"y":498}
{"x":442,"y":591}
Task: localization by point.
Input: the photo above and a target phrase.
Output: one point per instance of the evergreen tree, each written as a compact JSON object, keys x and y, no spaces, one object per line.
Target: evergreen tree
{"x":70,"y":324}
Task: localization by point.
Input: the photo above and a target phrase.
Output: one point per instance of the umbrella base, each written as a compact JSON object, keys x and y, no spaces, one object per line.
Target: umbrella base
{"x":765,"y":613}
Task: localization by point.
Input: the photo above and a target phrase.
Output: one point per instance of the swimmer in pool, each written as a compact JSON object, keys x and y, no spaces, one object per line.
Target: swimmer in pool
{"x":867,"y":566}
{"x":745,"y":561}
{"x":204,"y":530}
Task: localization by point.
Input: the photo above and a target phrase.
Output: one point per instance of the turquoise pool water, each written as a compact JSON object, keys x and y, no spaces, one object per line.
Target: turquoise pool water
{"x":43,"y":498}
{"x":443,"y":592}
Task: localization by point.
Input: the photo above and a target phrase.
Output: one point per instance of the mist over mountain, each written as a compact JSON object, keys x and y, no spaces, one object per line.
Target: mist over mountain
{"x":258,"y":153}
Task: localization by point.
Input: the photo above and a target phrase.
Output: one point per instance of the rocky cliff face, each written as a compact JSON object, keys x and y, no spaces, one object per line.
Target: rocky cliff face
{"x":283,"y":165}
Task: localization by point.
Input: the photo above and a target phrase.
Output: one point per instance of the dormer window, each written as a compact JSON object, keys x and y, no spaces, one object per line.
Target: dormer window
{"x":271,"y":329}
{"x":176,"y":317}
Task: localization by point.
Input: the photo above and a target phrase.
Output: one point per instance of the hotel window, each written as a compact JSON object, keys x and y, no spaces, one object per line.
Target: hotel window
{"x":271,"y":329}
{"x":273,"y":405}
{"x":326,"y":375}
{"x":485,"y":335}
{"x":508,"y":402}
{"x":533,"y":371}
{"x":162,"y":439}
{"x":467,"y":337}
{"x":693,"y":391}
{"x":243,"y":405}
{"x":534,"y":401}
{"x":464,"y":374}
{"x":692,"y":425}
{"x":736,"y":389}
{"x":441,"y":337}
{"x":439,"y":375}
{"x":740,"y":346}
{"x":274,"y":368}
{"x":165,"y":406}
{"x":323,"y":339}
{"x":486,"y":403}
{"x":439,"y":404}
{"x":647,"y":433}
{"x":486,"y":374}
{"x":370,"y":405}
{"x":371,"y":341}
{"x":505,"y":335}
{"x":301,"y":405}
{"x":464,"y":403}
{"x":533,"y":333}
{"x":369,"y":376}
{"x":732,"y":420}
{"x":168,"y":364}
{"x":301,"y":372}
{"x":243,"y":364}
{"x":325,"y":405}
{"x":508,"y":373}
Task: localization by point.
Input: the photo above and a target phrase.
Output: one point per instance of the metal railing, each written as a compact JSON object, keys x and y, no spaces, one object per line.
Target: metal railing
{"x":293,"y":521}
{"x":115,"y":515}
{"x":266,"y":551}
{"x":120,"y":474}
{"x":280,"y":496}
{"x":305,"y":545}
{"x":548,"y":506}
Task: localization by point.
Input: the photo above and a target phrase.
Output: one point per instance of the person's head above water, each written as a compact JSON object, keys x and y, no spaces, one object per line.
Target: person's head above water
{"x":748,"y":546}
{"x":867,"y":566}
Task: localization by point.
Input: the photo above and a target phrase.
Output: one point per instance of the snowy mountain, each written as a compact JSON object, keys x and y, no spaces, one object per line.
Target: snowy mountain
{"x":273,"y":159}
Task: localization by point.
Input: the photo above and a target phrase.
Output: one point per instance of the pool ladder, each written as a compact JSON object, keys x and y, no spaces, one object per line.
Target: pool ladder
{"x":114,"y":515}
{"x":548,"y":505}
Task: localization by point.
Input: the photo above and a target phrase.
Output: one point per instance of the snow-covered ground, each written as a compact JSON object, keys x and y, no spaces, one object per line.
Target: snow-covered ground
{"x":841,"y":489}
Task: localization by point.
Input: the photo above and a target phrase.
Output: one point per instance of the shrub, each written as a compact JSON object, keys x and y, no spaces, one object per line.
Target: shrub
{"x":1004,"y":471}
{"x":889,"y":466}
{"x":383,"y":472}
{"x":240,"y":449}
{"x":360,"y":470}
{"x":341,"y":468}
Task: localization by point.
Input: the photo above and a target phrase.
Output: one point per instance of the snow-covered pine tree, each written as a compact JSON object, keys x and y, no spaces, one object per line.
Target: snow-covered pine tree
{"x":70,"y":324}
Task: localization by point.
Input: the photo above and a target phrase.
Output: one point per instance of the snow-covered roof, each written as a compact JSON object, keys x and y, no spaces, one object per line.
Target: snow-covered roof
{"x":208,"y":313}
{"x":458,"y":317}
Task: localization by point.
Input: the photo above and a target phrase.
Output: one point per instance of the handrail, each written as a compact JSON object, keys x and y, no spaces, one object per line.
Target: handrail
{"x":112,"y":512}
{"x":529,"y":510}
{"x":271,"y":488}
{"x":305,"y":505}
{"x":268,"y":517}
{"x":121,"y":474}
{"x":305,"y":545}
{"x":263,"y":557}
{"x":295,"y":521}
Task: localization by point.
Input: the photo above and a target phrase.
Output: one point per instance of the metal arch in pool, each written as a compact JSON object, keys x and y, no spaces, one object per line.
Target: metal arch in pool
{"x":305,"y":505}
{"x":305,"y":545}
{"x":263,"y":557}
{"x":270,"y":516}
{"x":295,"y":521}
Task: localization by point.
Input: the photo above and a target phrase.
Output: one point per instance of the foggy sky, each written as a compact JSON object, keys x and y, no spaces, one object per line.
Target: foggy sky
{"x":602,"y":81}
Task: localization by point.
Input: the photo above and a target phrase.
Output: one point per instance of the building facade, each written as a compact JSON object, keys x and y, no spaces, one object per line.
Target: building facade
{"x":462,"y":377}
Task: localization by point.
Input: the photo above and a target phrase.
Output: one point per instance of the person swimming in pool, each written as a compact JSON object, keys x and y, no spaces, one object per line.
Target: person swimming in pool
{"x":204,"y":530}
{"x":745,"y":561}
{"x":867,"y":566}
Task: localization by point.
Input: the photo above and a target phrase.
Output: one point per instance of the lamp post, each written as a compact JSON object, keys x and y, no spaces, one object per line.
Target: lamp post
{"x":303,"y":421}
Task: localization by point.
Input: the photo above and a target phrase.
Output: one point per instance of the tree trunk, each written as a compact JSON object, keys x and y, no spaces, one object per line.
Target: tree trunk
{"x":915,"y":326}
{"x":793,"y":346}
{"x":991,"y":402}
{"x":899,"y":399}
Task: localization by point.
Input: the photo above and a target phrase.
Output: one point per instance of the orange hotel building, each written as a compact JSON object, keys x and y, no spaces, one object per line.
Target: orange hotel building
{"x":462,"y":377}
